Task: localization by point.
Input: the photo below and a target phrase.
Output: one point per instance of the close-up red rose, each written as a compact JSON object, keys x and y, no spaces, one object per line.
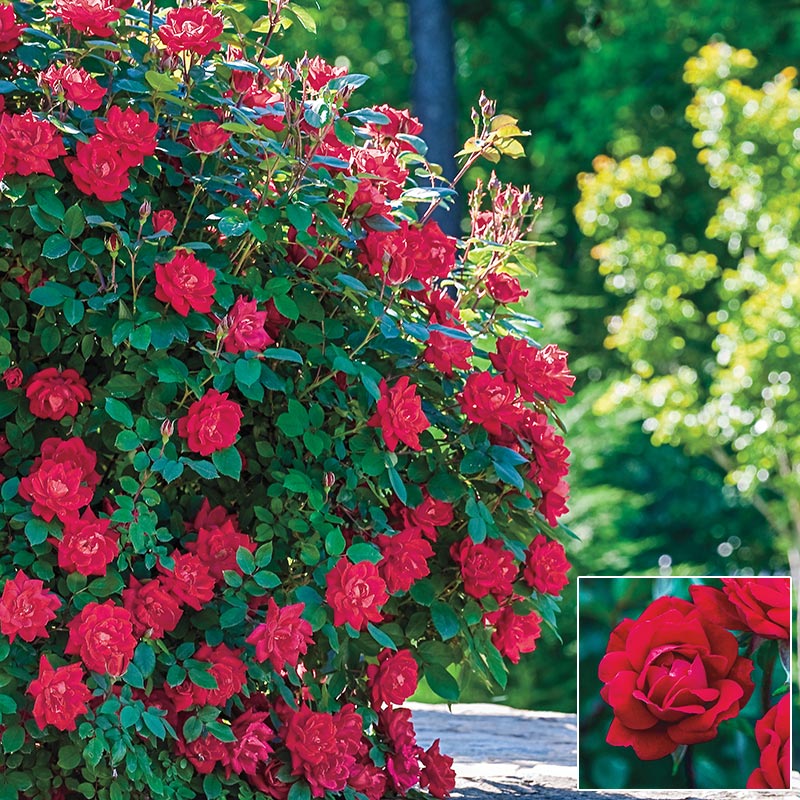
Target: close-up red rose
{"x":13,"y":378}
{"x":486,"y":567}
{"x":190,"y":580}
{"x":504,"y":288}
{"x":99,"y":169}
{"x":546,"y":566}
{"x":772,"y":737}
{"x":76,"y":85}
{"x":55,"y":394}
{"x":88,"y":544}
{"x":490,"y":401}
{"x":207,"y":137}
{"x":283,"y":637}
{"x":399,"y":415}
{"x":186,"y":283}
{"x":164,"y":221}
{"x":405,"y":559}
{"x":102,"y":634}
{"x":91,"y":17}
{"x":671,"y":677}
{"x":514,"y":633}
{"x":30,"y":144}
{"x":251,"y":748}
{"x":10,"y":29}
{"x":216,"y":546}
{"x":246,"y":329}
{"x":204,"y":753}
{"x":448,"y":351}
{"x":393,"y":679}
{"x":153,"y":609}
{"x":59,"y":695}
{"x":26,"y":608}
{"x":430,"y":514}
{"x":402,"y":762}
{"x":534,"y":370}
{"x":56,"y":490}
{"x":211,"y":424}
{"x":133,"y":134}
{"x":438,"y":775}
{"x":227,"y":668}
{"x":191,"y":29}
{"x":355,"y":592}
{"x":759,"y":605}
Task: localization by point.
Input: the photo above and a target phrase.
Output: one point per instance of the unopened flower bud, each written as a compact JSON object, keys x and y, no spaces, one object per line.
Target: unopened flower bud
{"x":329,"y":480}
{"x":145,"y":210}
{"x":113,"y":244}
{"x":167,"y":429}
{"x":223,"y":326}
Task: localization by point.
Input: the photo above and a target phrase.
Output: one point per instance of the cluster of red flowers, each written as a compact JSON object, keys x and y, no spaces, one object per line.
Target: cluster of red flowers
{"x":673,"y":675}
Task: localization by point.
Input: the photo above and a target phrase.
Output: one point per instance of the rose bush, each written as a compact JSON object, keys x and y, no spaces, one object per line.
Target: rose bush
{"x":275,"y":448}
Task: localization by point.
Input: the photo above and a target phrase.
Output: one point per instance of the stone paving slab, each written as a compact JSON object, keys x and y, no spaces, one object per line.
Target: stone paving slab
{"x":506,"y":752}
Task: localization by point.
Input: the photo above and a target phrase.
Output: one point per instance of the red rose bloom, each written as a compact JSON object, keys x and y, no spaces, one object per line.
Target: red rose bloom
{"x":103,"y":636}
{"x":486,"y":568}
{"x":60,"y":696}
{"x":73,"y":453}
{"x":448,"y":352}
{"x":26,"y":607}
{"x":246,"y":327}
{"x":154,"y":611}
{"x":13,"y":378}
{"x":54,"y":394}
{"x":405,"y":559}
{"x":759,"y":605}
{"x":251,"y":748}
{"x":514,"y":633}
{"x":490,"y":401}
{"x":390,"y":178}
{"x":133,"y":134}
{"x":185,"y":283}
{"x":504,"y":288}
{"x":190,"y":581}
{"x":76,"y":84}
{"x":402,"y":762}
{"x":227,"y":668}
{"x":437,"y":775}
{"x":164,"y":220}
{"x":216,"y":547}
{"x":393,"y":679}
{"x":772,"y":737}
{"x":88,"y":545}
{"x":323,"y":747}
{"x":211,"y":424}
{"x":98,"y":168}
{"x":31,"y":144}
{"x":534,"y":371}
{"x":355,"y":592}
{"x":204,"y":753}
{"x":283,"y":637}
{"x":93,"y":17}
{"x":56,"y":490}
{"x":399,"y":415}
{"x":546,"y":566}
{"x":4,"y":445}
{"x":671,"y":677}
{"x":191,"y":29}
{"x":10,"y":29}
{"x":430,"y":514}
{"x":549,"y":465}
{"x":208,"y":137}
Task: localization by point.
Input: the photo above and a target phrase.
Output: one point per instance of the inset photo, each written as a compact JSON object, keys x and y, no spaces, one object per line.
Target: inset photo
{"x":684,"y":683}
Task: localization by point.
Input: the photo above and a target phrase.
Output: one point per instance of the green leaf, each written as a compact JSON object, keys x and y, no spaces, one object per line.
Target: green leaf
{"x":247,"y":371}
{"x":205,"y":469}
{"x":212,"y":788}
{"x":228,"y":462}
{"x":119,"y":412}
{"x":49,"y":202}
{"x":74,"y":222}
{"x":221,"y":731}
{"x":282,"y":354}
{"x":442,"y":682}
{"x":364,"y":551}
{"x":51,"y":294}
{"x":423,"y":592}
{"x":145,"y":659}
{"x":37,"y":530}
{"x":246,"y":561}
{"x":160,"y":82}
{"x":445,"y":620}
{"x":307,"y":21}
{"x":300,"y":791}
{"x":93,"y":752}
{"x":127,"y":440}
{"x":69,"y":756}
{"x":133,"y":676}
{"x":398,"y":486}
{"x":7,"y":704}
{"x":55,"y":246}
{"x":13,"y":738}
{"x":129,"y":716}
{"x":202,"y":678}
{"x":383,"y":639}
{"x":73,"y":311}
{"x":154,"y":724}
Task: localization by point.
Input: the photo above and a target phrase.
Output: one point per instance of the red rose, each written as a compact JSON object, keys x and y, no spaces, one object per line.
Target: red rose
{"x":185,"y":283}
{"x":154,"y":611}
{"x":368,"y":779}
{"x":368,"y":201}
{"x":246,"y":327}
{"x":98,"y":168}
{"x":390,"y":177}
{"x":60,"y":696}
{"x":93,"y":17}
{"x":56,"y":490}
{"x":430,"y":515}
{"x":164,"y":220}
{"x":13,"y":377}
{"x":73,"y":453}
{"x":490,"y":401}
{"x":207,"y":137}
{"x":31,"y":144}
{"x":402,"y":762}
{"x":504,"y":288}
{"x":355,"y":592}
{"x":10,"y":29}
{"x":189,"y":581}
{"x":283,"y":637}
{"x":448,"y":352}
{"x":266,"y":780}
{"x":216,"y":547}
{"x":671,"y":677}
{"x":26,"y":607}
{"x":405,"y":559}
{"x":134,"y":136}
{"x":486,"y":568}
{"x":393,"y":679}
{"x":759,"y":605}
{"x":76,"y":85}
{"x":211,"y":424}
{"x":227,"y":668}
{"x":54,"y":394}
{"x":4,"y":445}
{"x":204,"y":753}
{"x":437,"y":775}
{"x":88,"y":545}
{"x":384,"y":134}
{"x":514,"y":633}
{"x":323,"y":748}
{"x":191,"y":29}
{"x":103,"y":636}
{"x":251,"y":748}
{"x":772,"y":737}
{"x":399,"y":415}
{"x":549,"y":465}
{"x":546,"y":566}
{"x":534,"y":371}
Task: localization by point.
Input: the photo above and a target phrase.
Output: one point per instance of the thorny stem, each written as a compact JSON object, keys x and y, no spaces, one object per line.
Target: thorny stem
{"x":688,"y":766}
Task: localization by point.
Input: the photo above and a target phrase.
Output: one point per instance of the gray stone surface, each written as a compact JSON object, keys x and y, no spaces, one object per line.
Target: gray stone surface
{"x":504,"y":752}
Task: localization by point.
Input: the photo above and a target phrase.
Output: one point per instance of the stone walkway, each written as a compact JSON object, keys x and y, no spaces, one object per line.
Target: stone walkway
{"x":504,"y":752}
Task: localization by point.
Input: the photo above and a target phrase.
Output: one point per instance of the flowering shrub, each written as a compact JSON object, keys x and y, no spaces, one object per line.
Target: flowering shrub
{"x":677,"y":672}
{"x":275,"y":448}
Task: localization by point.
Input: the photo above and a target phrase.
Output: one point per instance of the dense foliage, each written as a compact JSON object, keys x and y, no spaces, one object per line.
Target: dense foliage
{"x":275,"y":448}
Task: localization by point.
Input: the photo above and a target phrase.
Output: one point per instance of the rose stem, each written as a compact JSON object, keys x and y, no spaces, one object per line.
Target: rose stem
{"x":688,"y":766}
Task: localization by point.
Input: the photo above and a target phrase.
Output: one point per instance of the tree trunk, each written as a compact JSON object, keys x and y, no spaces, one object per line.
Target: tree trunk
{"x":434,"y":89}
